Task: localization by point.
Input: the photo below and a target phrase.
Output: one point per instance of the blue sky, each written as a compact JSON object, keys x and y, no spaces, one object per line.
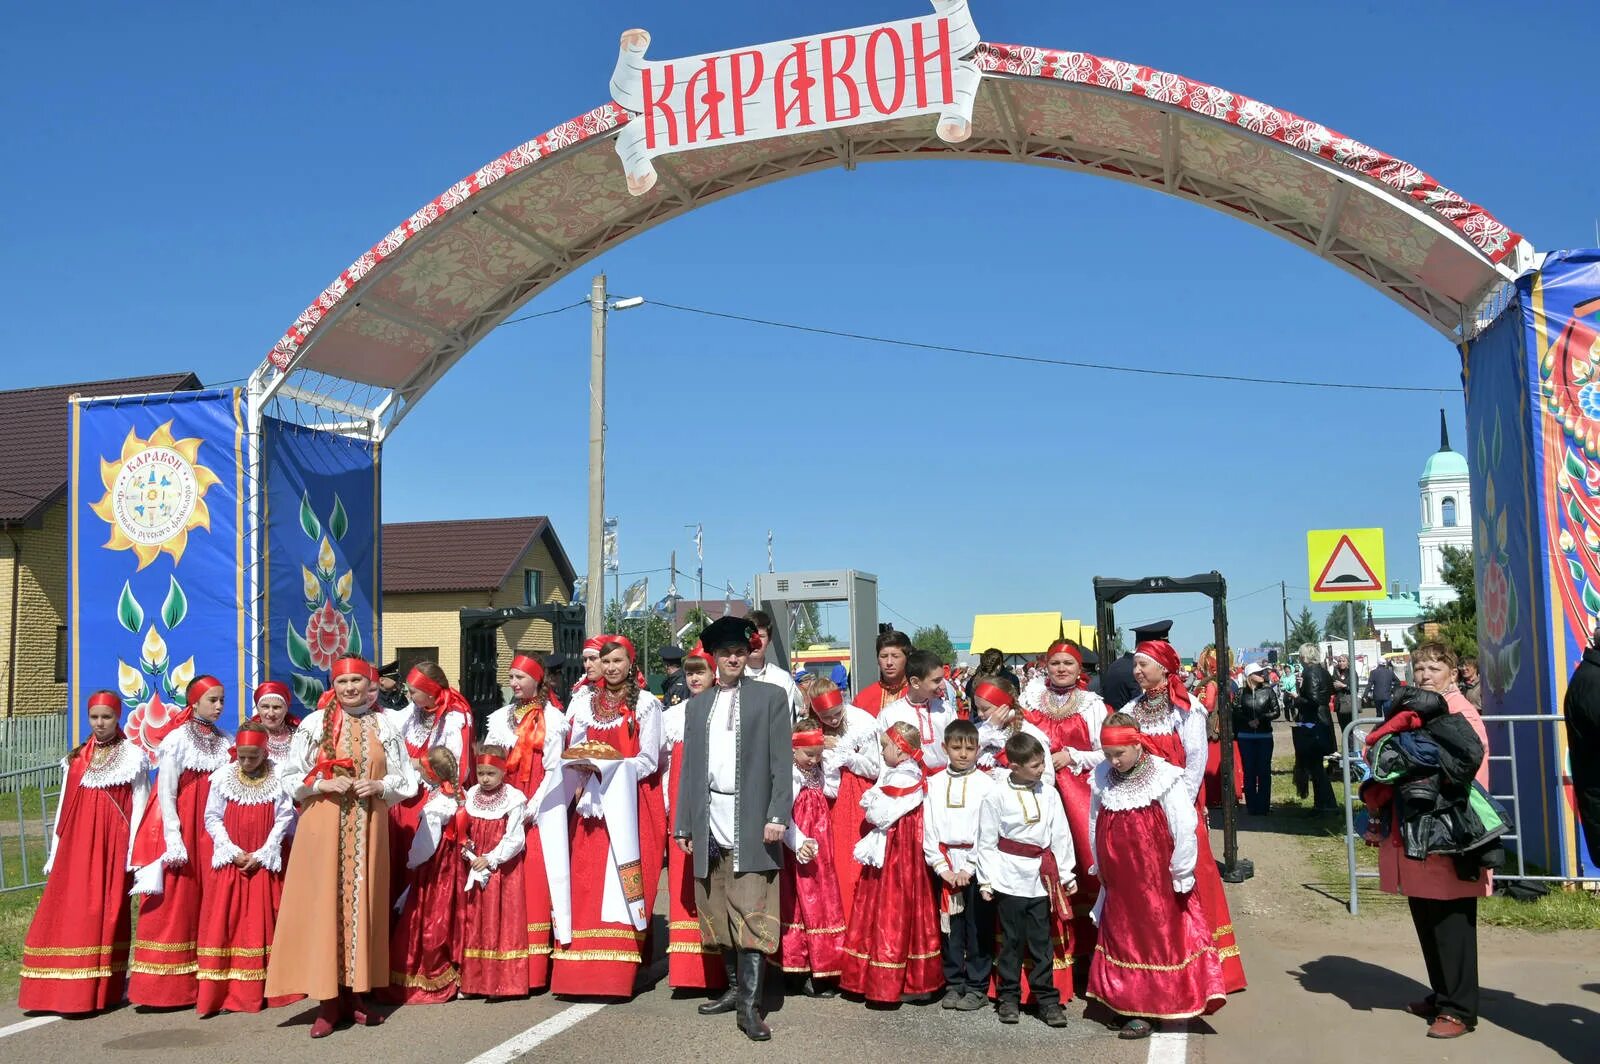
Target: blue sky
{"x":183,"y":180}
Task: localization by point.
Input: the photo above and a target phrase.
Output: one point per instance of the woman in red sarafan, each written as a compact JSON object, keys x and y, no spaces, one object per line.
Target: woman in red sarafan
{"x":494,"y":922}
{"x":248,"y":815}
{"x":425,"y":931}
{"x":812,"y":914}
{"x":437,"y":716}
{"x":75,"y":955}
{"x":533,"y":731}
{"x":690,"y":966}
{"x":618,"y":832}
{"x":172,"y":852}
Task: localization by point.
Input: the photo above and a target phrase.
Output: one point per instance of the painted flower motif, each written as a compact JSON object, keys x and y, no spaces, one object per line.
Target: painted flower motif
{"x":182,"y":676}
{"x":130,"y":681}
{"x":154,"y":650}
{"x":1589,"y":401}
{"x":148,"y":724}
{"x":1496,"y":600}
{"x":327,"y":634}
{"x":310,"y":585}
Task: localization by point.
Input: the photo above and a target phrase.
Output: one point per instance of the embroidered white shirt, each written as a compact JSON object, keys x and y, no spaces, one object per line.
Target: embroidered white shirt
{"x":1030,"y":814}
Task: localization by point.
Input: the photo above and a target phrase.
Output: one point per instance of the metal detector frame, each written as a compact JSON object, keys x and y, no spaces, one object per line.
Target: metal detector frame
{"x":1110,"y":590}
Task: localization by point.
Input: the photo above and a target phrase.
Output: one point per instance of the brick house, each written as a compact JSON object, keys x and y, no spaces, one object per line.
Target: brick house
{"x":33,"y":535}
{"x":434,"y":569}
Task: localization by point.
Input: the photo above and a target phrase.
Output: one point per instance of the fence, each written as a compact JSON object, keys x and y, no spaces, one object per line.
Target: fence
{"x":1512,"y":800}
{"x":28,"y":798}
{"x":31,"y":740}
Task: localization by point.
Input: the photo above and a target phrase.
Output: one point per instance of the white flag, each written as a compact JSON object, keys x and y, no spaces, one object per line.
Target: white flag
{"x":635,"y":598}
{"x":699,"y":544}
{"x":609,"y":545}
{"x":770,"y":568}
{"x":580,"y":591}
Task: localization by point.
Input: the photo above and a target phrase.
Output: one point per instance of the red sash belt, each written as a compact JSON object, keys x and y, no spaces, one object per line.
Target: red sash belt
{"x":324,"y":767}
{"x":1049,"y":873}
{"x":945,"y":893}
{"x":902,"y":792}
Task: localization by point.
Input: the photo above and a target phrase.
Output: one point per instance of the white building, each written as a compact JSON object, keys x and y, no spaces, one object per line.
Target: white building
{"x":1446,"y":516}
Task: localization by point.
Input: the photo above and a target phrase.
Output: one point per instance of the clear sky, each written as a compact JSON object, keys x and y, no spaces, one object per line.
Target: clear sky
{"x":181,"y":180}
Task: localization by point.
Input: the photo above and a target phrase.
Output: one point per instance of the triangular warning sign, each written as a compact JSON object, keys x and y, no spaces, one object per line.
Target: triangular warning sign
{"x":1346,"y":570}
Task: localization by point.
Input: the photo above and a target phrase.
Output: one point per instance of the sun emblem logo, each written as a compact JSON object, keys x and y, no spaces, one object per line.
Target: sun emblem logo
{"x":155,"y":493}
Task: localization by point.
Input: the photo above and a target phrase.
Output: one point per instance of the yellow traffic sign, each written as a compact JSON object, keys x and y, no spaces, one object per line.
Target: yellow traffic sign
{"x":1345,"y":564}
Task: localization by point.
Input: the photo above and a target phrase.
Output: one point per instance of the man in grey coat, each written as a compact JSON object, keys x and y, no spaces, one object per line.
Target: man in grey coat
{"x":735,"y":796}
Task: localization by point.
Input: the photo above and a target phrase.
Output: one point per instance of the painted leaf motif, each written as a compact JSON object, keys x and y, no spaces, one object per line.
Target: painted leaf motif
{"x":1513,"y":662}
{"x":307,"y":689}
{"x":1574,"y":466}
{"x":1591,"y":598}
{"x":1500,"y":531}
{"x":299,"y":652}
{"x":1494,"y":448}
{"x":1575,"y":512}
{"x":1511,"y":606}
{"x":338,"y":521}
{"x":1488,"y":504}
{"x":353,"y":647}
{"x":129,"y":613}
{"x":308,"y":518}
{"x":1483,"y":455}
{"x":176,"y":606}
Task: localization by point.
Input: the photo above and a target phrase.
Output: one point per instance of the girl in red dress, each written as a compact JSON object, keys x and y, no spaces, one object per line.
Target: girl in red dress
{"x":437,"y":716}
{"x":272,"y":711}
{"x":75,"y":955}
{"x":812,"y":914}
{"x":999,"y":717}
{"x":533,"y":731}
{"x":424,"y":935}
{"x":850,"y":766}
{"x":1205,"y":667}
{"x":618,"y":832}
{"x":893,"y":650}
{"x":494,"y":922}
{"x":892,"y":947}
{"x":1155,"y":959}
{"x":173,"y":851}
{"x":248,"y":816}
{"x":1175,"y":730}
{"x":1069,"y":715}
{"x":690,"y":966}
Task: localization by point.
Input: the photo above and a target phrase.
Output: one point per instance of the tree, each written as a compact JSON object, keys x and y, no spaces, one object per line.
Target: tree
{"x":1334,"y":627}
{"x":1458,"y":620}
{"x":694,"y":622}
{"x":937,"y":641}
{"x":1119,"y":644}
{"x":1303,"y":631}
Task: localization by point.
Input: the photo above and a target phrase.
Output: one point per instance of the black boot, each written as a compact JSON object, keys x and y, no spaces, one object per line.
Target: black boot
{"x":730,"y":996}
{"x":752,"y":965}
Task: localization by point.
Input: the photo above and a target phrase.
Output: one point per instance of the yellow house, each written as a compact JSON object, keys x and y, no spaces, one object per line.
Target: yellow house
{"x":1022,"y":636}
{"x":432,"y":570}
{"x":33,"y":536}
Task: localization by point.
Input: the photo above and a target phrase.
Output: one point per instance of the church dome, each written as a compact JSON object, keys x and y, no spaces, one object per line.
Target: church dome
{"x":1445,"y":464}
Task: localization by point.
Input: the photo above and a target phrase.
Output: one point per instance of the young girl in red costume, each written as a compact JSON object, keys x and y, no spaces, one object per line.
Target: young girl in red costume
{"x":1174,"y":727}
{"x":494,"y":924}
{"x":75,"y":955}
{"x":1155,"y":958}
{"x":424,"y":935}
{"x":533,"y":731}
{"x":1205,"y":669}
{"x":272,"y":712}
{"x":690,"y":965}
{"x":436,"y":716}
{"x":813,"y":916}
{"x":173,"y":852}
{"x":892,"y":946}
{"x":994,"y":704}
{"x":1069,"y":715}
{"x":248,"y":816}
{"x":618,"y":832}
{"x":850,"y":766}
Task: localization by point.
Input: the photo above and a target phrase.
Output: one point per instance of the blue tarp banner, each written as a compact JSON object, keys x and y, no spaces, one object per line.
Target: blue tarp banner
{"x":322,"y":555}
{"x":156,"y":555}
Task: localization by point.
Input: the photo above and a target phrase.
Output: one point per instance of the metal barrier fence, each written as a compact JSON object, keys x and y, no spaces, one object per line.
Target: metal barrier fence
{"x":28,"y":800}
{"x":1507,"y":756}
{"x":32,"y":740}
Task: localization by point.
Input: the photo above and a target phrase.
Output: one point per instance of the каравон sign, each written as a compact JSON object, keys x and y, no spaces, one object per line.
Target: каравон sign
{"x":895,"y":70}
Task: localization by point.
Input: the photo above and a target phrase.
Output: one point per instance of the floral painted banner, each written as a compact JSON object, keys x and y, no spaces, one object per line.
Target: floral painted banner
{"x":322,"y":559}
{"x":156,"y":554}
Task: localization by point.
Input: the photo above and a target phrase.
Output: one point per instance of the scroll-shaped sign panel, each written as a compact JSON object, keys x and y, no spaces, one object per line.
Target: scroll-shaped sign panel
{"x":895,"y":70}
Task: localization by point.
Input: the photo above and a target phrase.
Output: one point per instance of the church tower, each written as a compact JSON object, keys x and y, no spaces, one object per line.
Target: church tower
{"x":1445,"y":487}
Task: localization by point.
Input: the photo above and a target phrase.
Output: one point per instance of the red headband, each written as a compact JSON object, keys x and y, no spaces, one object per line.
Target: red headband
{"x":1122,"y":735}
{"x":492,"y":761}
{"x":803,"y":739}
{"x":197,"y":690}
{"x":1061,"y":646}
{"x":827,"y":700}
{"x":421,"y":681}
{"x":993,"y":695}
{"x":358,"y":666}
{"x":913,"y":752}
{"x":250,"y":738}
{"x":524,"y":664}
{"x":105,"y":698}
{"x":596,"y":643}
{"x":271,"y":687}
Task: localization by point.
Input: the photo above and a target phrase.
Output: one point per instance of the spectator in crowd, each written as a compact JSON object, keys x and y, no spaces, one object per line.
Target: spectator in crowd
{"x":1468,"y":684}
{"x":1344,"y":686}
{"x":1582,"y":710}
{"x":1381,"y":683}
{"x":1254,"y":710}
{"x":1313,"y":731}
{"x":990,"y":663}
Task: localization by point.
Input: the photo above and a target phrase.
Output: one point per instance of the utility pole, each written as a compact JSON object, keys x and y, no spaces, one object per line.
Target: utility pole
{"x":595,"y":608}
{"x":1283,"y":590}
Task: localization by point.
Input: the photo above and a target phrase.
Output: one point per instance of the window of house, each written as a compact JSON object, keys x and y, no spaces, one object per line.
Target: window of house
{"x":1448,"y":510}
{"x":61,"y":653}
{"x":531,"y":579}
{"x":409,"y":656}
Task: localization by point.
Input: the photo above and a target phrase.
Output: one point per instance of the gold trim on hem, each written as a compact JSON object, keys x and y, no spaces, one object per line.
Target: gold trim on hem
{"x":496,"y":954}
{"x":1136,"y":966}
{"x":1225,"y":929}
{"x":598,"y":955}
{"x":606,"y":932}
{"x":232,"y":975}
{"x":163,"y":947}
{"x":1227,"y":951}
{"x":691,"y":947}
{"x":229,"y":951}
{"x":423,"y":982}
{"x":539,"y":927}
{"x":1157,"y":1015}
{"x":70,"y":973}
{"x":72,"y":951}
{"x":683,"y":925}
{"x":143,"y":968}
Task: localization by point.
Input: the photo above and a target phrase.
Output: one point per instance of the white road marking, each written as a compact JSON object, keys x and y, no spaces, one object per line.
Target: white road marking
{"x":514,"y":1047}
{"x":1168,"y":1047}
{"x":26,"y":1025}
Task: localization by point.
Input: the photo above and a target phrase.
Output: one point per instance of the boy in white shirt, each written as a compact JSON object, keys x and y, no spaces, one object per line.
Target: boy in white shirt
{"x":949,"y":832}
{"x":923,"y":707}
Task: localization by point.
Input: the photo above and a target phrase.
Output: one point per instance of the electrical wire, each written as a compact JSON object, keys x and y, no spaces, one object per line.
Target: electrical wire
{"x":543,"y":313}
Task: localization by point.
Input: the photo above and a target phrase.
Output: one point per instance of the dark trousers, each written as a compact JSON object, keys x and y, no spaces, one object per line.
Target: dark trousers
{"x":1448,"y":933}
{"x":1311,"y":748}
{"x":969,"y":947}
{"x":1255,"y":750}
{"x":1025,"y":928}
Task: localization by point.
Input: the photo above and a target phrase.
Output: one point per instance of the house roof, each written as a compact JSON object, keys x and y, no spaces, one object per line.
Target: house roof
{"x":464,"y":555}
{"x":1016,"y":633}
{"x":33,"y":438}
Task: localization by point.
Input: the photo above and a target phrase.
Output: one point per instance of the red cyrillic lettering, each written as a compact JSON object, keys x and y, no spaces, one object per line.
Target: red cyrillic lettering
{"x":875,"y":75}
{"x":801,"y":86}
{"x":839,"y":74}
{"x":920,"y":59}
{"x":651,"y":106}
{"x":711,"y":97}
{"x":742,"y":91}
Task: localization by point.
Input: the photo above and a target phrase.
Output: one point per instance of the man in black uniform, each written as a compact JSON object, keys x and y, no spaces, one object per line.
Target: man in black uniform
{"x":391,"y":692}
{"x":674,"y":688}
{"x":1117,"y":686}
{"x":1091,"y":670}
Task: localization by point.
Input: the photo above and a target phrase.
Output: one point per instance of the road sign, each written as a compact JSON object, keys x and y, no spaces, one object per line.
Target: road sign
{"x":1345,"y":564}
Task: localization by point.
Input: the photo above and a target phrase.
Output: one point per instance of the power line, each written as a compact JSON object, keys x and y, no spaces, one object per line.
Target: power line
{"x":543,"y":313}
{"x":1231,"y":599}
{"x":1042,"y":361}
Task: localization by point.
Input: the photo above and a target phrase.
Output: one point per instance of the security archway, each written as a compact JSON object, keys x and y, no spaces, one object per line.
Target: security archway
{"x":392,"y":324}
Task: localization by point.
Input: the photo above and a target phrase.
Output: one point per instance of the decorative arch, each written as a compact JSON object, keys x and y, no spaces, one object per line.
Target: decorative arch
{"x":395,"y":321}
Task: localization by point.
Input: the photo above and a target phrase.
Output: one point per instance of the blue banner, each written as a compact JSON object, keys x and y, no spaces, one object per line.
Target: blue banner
{"x":156,"y":556}
{"x":323,"y":584}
